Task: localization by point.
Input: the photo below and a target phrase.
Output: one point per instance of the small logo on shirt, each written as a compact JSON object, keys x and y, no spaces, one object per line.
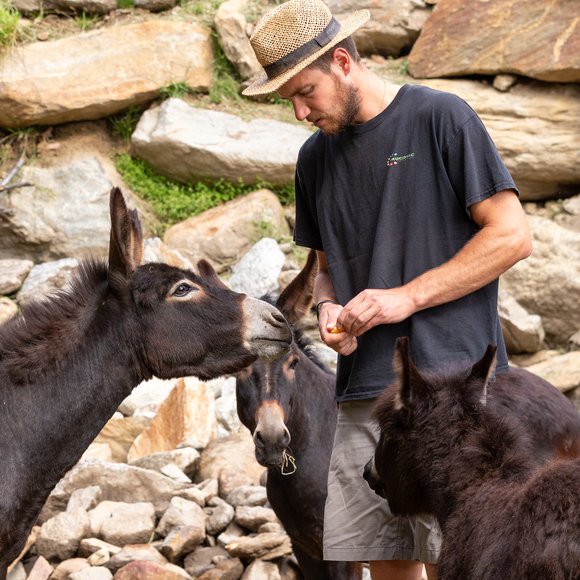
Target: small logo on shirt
{"x":395,"y":158}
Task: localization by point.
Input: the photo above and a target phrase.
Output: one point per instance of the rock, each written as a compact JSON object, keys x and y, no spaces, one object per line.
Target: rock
{"x":68,"y":567}
{"x":259,"y":570}
{"x":16,"y":572}
{"x":186,"y":418}
{"x":522,"y":332}
{"x":41,"y":570}
{"x":70,"y":7}
{"x":186,"y":459}
{"x":232,"y":533}
{"x":231,"y":25}
{"x":562,"y":371}
{"x":252,"y":517}
{"x":219,"y":515}
{"x":180,"y":541}
{"x":46,"y":278}
{"x":182,"y":512}
{"x":135,"y":553}
{"x":84,"y":499}
{"x":13,"y":273}
{"x":139,"y":570}
{"x":393,"y":27}
{"x":93,"y":573}
{"x":99,"y":73}
{"x":8,"y":309}
{"x":248,"y":495}
{"x":256,"y":274}
{"x":230,"y":569}
{"x":259,"y":546}
{"x":155,"y":5}
{"x":118,"y":482}
{"x":224,"y":233}
{"x":90,"y":546}
{"x":553,"y":265}
{"x":122,"y":523}
{"x":231,"y":460}
{"x":61,"y":535}
{"x":504,"y":82}
{"x":190,"y":144}
{"x":98,"y":452}
{"x":146,"y":397}
{"x":201,"y":560}
{"x":120,"y":434}
{"x":539,"y":42}
{"x":155,"y":250}
{"x":226,"y":409}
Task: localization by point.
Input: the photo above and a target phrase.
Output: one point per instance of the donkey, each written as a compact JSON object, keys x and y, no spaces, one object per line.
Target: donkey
{"x":67,"y":362}
{"x":446,"y":448}
{"x":291,"y":401}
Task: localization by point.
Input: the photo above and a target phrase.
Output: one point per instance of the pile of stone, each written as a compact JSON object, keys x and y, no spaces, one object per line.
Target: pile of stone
{"x":130,"y":509}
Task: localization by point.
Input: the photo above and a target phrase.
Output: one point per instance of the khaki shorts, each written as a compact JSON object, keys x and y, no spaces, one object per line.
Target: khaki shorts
{"x":358,"y":525}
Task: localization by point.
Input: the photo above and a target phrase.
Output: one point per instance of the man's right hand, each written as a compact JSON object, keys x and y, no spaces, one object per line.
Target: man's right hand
{"x":331,"y":334}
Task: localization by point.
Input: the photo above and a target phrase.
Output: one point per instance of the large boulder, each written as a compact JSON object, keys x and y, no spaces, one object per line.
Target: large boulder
{"x":190,"y":144}
{"x":393,"y":27}
{"x":99,"y":73}
{"x":548,"y":282}
{"x":226,"y":232}
{"x":537,"y":39}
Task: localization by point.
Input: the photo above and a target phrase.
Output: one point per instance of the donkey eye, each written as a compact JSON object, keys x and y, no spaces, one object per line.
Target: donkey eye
{"x":182,"y":290}
{"x":292,"y":364}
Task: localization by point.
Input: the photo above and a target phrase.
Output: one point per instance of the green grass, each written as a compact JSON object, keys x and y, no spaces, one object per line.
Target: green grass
{"x":176,"y":90}
{"x":9,"y":22}
{"x":85,"y":21}
{"x":226,"y":82}
{"x":123,"y":124}
{"x":174,"y":202}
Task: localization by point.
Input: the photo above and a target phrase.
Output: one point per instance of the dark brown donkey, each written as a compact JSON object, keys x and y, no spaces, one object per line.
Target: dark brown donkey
{"x":67,"y":362}
{"x":447,"y":448}
{"x":288,"y":404}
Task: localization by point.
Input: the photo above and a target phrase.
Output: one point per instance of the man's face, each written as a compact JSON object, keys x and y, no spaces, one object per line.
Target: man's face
{"x":324,"y":99}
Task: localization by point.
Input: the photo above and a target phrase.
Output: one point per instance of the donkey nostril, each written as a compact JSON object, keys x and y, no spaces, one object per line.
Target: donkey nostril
{"x":258,"y":439}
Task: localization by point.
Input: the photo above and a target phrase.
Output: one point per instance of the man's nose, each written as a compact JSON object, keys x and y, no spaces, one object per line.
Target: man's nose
{"x":301,"y":111}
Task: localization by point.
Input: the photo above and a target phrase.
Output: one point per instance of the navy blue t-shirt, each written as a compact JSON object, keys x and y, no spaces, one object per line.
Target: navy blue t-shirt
{"x":388,"y":200}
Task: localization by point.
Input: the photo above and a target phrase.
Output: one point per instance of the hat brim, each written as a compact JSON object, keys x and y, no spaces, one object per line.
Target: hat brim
{"x":263,"y":85}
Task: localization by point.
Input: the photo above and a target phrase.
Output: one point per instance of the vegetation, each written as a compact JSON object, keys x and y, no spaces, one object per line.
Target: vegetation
{"x":85,"y":21}
{"x":9,"y":23}
{"x":124,"y":124}
{"x":174,"y":202}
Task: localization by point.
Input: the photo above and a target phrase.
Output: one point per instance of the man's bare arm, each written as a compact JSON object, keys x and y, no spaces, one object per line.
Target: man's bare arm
{"x":503,"y":240}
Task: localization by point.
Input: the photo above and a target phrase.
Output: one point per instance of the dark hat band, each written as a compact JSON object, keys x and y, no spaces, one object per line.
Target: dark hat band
{"x":308,"y":49}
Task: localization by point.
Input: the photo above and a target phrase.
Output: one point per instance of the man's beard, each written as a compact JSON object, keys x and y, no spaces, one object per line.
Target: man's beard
{"x":347,"y":109}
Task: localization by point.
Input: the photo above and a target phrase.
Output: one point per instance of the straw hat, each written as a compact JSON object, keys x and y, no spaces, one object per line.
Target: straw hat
{"x":293,"y":35}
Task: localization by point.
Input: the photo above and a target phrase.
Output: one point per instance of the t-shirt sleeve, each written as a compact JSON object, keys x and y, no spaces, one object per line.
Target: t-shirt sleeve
{"x":306,"y":230}
{"x":473,"y":164}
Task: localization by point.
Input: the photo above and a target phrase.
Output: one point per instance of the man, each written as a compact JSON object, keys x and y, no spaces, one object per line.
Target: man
{"x":414,"y":217}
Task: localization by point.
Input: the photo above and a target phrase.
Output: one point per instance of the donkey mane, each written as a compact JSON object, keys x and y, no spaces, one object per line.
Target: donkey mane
{"x":49,"y":328}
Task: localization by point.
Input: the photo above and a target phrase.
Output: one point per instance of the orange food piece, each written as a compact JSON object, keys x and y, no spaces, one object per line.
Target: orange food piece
{"x":337,"y":330}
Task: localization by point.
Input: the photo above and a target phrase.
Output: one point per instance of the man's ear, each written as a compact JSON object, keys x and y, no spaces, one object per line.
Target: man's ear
{"x":342,"y":59}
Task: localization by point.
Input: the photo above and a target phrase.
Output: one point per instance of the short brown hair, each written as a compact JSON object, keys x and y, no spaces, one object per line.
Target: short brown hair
{"x":324,"y":61}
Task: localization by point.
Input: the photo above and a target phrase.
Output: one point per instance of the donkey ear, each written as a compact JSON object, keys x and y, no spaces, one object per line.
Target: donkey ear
{"x":412,"y":386}
{"x":296,"y":298}
{"x":126,"y":243}
{"x":481,"y":373}
{"x":207,"y":272}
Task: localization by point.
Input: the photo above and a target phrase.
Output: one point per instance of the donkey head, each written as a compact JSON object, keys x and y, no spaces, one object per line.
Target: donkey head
{"x":269,"y":392}
{"x":187,"y":323}
{"x":420,"y":418}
